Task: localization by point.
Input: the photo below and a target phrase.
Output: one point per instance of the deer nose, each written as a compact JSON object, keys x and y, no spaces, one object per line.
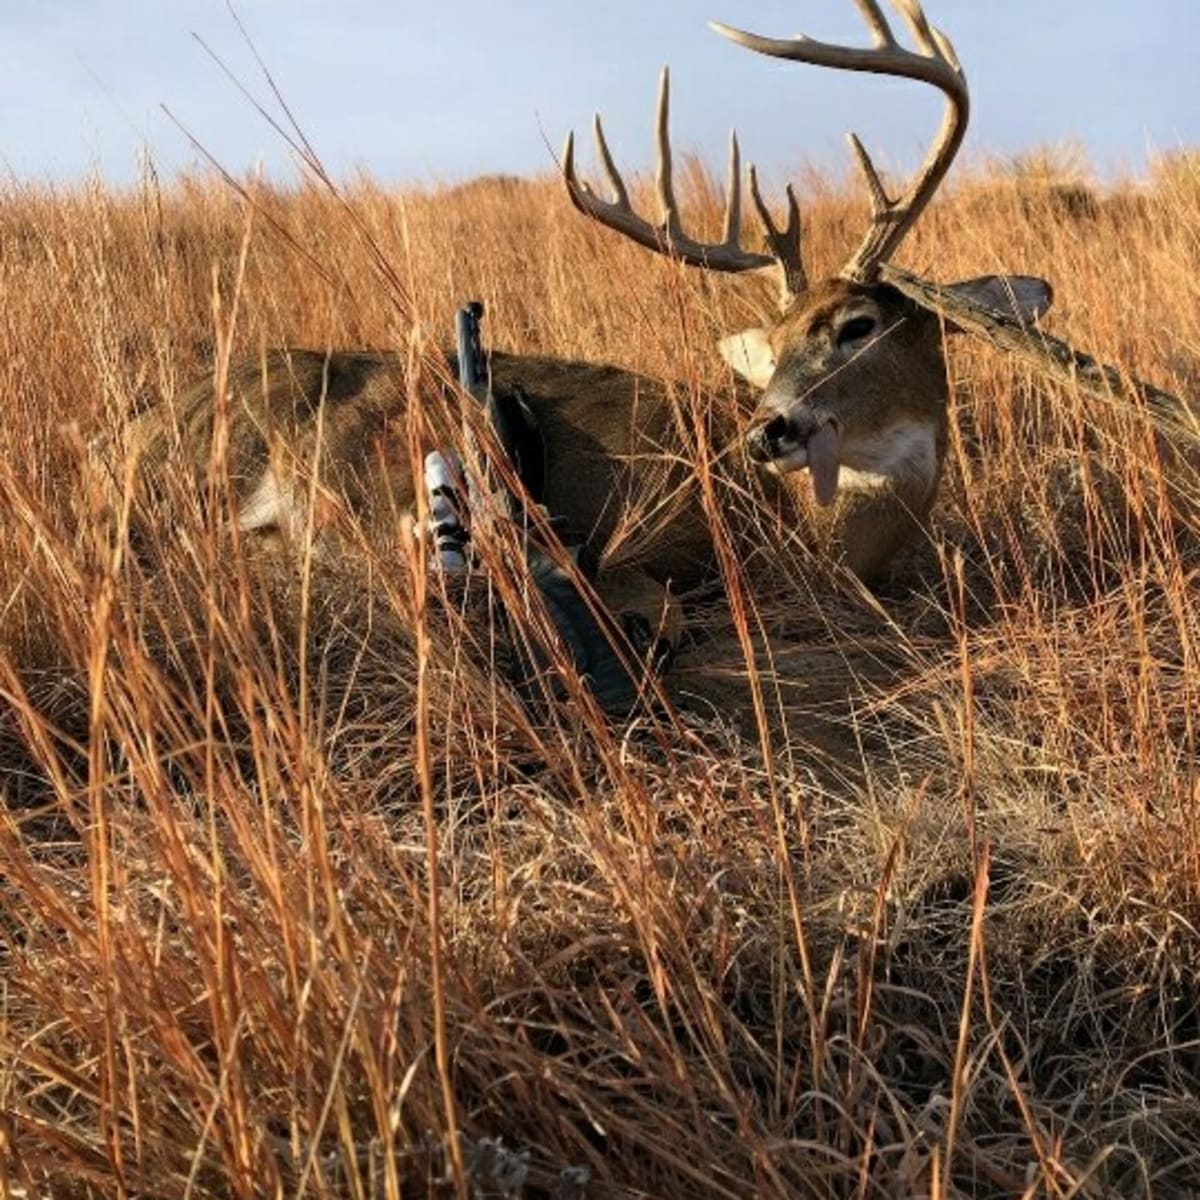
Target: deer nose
{"x":780,"y":435}
{"x":766,"y":441}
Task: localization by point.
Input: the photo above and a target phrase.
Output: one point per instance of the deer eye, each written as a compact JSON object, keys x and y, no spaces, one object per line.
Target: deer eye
{"x":855,"y":329}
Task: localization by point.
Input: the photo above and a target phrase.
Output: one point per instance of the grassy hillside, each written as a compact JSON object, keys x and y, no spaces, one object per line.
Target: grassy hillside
{"x":897,"y":895}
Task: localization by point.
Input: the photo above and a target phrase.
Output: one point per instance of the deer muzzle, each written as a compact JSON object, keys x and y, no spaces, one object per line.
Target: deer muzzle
{"x":793,"y":441}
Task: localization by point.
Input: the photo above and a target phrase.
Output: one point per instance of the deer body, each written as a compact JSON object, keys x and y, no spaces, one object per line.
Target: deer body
{"x":612,"y":457}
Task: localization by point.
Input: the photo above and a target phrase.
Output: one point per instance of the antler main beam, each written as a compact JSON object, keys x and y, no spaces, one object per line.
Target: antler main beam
{"x":933,"y":62}
{"x":667,"y":236}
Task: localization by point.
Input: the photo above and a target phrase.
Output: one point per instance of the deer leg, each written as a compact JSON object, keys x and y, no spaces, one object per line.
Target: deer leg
{"x":645,"y":611}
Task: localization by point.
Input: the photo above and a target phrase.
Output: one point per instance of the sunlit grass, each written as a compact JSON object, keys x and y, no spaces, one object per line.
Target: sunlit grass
{"x":928,"y":926}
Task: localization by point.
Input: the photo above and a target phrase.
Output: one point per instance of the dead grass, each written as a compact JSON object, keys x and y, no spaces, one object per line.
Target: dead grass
{"x":292,"y":887}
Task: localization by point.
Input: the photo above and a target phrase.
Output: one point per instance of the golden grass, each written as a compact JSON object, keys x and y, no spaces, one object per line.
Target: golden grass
{"x":292,"y":890}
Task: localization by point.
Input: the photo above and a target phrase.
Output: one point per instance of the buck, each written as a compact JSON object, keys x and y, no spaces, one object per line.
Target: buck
{"x":852,"y":375}
{"x":852,"y":371}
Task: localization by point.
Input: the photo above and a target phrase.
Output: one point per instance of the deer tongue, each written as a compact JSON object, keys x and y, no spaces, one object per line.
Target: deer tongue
{"x":823,"y":449}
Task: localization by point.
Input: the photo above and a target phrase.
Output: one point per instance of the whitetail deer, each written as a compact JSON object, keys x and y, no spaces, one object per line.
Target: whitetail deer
{"x":852,"y":372}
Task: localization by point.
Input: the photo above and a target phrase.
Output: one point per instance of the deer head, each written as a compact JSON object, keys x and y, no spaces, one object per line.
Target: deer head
{"x":852,"y":371}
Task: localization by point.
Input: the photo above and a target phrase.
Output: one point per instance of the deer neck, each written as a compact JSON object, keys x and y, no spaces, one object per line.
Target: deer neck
{"x":904,"y":459}
{"x":887,"y":484}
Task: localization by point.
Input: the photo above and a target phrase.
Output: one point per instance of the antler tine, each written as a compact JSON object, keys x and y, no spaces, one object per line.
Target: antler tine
{"x":872,"y":14}
{"x":620,"y":195}
{"x":733,"y":193}
{"x":668,"y":236}
{"x":918,"y":26}
{"x":786,"y":246}
{"x":935,"y":63}
{"x":668,"y":209}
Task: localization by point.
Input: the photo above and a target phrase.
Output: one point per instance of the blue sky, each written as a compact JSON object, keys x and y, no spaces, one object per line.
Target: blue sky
{"x":416,"y":91}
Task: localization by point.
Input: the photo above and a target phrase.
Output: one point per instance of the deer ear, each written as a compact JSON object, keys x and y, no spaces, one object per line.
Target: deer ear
{"x":749,"y":353}
{"x":1024,"y":297}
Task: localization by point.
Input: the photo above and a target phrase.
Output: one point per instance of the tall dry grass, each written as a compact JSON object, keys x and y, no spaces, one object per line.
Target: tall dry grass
{"x":901,"y":902}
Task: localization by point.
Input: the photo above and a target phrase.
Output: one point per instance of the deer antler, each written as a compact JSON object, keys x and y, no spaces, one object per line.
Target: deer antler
{"x":668,"y":237}
{"x":936,"y":63}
